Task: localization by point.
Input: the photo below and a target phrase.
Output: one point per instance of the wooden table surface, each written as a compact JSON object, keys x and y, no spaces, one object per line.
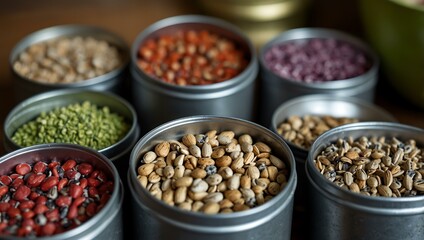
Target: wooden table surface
{"x":127,"y":18}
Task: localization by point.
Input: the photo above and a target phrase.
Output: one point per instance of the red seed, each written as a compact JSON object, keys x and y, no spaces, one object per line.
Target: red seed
{"x":6,"y":180}
{"x":26,"y":204}
{"x":49,"y":183}
{"x":40,"y":208}
{"x":39,"y":167}
{"x":92,"y":182}
{"x":69,"y":164}
{"x":17,"y":182}
{"x":22,"y":231}
{"x":94,"y":174}
{"x":72,"y":174}
{"x":4,"y":206}
{"x":85,"y":168}
{"x":48,"y":229}
{"x":62,"y":183}
{"x":41,"y":200}
{"x":52,"y":165}
{"x":52,"y":215}
{"x":78,"y":201}
{"x":28,"y":214}
{"x":91,"y":209}
{"x":106,"y":187}
{"x":104,"y":198}
{"x":33,"y":195}
{"x":72,"y":212}
{"x":63,"y":201}
{"x":13,"y":212}
{"x":55,"y":172}
{"x":23,"y":168}
{"x":34,"y":180}
{"x":21,"y":193}
{"x":93,"y":192}
{"x":83,"y":183}
{"x":75,"y":191}
{"x":28,"y":223}
{"x":3,"y":190}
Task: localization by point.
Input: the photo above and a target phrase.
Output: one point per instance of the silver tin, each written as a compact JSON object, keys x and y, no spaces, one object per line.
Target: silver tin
{"x":107,"y":223}
{"x":157,"y":102}
{"x":114,"y":81}
{"x":322,"y":104}
{"x":276,"y":90}
{"x":341,"y":214}
{"x":30,"y":108}
{"x":157,"y":220}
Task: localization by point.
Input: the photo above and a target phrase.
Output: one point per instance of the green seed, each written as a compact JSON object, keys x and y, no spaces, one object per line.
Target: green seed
{"x":84,"y":124}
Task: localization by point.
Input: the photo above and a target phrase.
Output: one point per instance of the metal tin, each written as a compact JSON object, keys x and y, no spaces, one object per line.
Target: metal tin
{"x":276,"y":90}
{"x":254,"y":10}
{"x":322,"y":104}
{"x":157,"y":220}
{"x":107,"y":223}
{"x":114,"y":81}
{"x":30,"y":108}
{"x":341,"y":214}
{"x":157,"y":102}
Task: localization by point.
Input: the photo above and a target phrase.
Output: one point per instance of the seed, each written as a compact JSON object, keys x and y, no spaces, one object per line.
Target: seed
{"x":215,"y":197}
{"x":253,"y":172}
{"x":384,"y":191}
{"x":22,"y":168}
{"x":162,"y":149}
{"x":225,"y":137}
{"x":146,"y":169}
{"x":223,"y":161}
{"x":226,"y":172}
{"x":183,"y":182}
{"x":419,"y":185}
{"x":354,"y":187}
{"x":206,"y":150}
{"x":189,"y":140}
{"x":232,"y":195}
{"x":180,"y":195}
{"x":214,"y":179}
{"x":210,"y":208}
{"x":149,"y":157}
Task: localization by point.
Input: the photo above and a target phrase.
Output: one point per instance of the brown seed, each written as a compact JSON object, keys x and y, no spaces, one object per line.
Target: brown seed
{"x":210,"y":208}
{"x":262,"y":147}
{"x":162,"y":149}
{"x":149,"y":157}
{"x":218,"y":152}
{"x":273,"y":188}
{"x":189,"y":140}
{"x":232,"y":195}
{"x":180,"y":195}
{"x":384,"y":191}
{"x":223,"y":161}
{"x":183,"y":182}
{"x":146,"y":169}
{"x":198,"y":173}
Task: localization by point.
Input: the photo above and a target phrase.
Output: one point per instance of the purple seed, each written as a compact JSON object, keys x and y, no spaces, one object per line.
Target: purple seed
{"x":316,"y":60}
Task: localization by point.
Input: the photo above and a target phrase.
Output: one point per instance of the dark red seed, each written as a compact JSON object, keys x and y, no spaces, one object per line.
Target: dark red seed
{"x":62,"y":183}
{"x":22,"y":193}
{"x":26,"y":204}
{"x":34,"y":180}
{"x":92,"y":182}
{"x":75,"y":191}
{"x":17,"y":182}
{"x":52,"y":215}
{"x":39,"y":167}
{"x":28,"y":214}
{"x":83,"y":182}
{"x":78,"y":201}
{"x":85,"y":168}
{"x":13,"y":212}
{"x":3,"y":190}
{"x":91,"y":209}
{"x":69,"y":164}
{"x":4,"y":206}
{"x":72,"y":212}
{"x":23,"y":168}
{"x":93,"y":192}
{"x":6,"y":180}
{"x":48,"y":229}
{"x":49,"y":183}
{"x":52,"y":165}
{"x":63,"y":201}
{"x":94,"y":174}
{"x":40,"y":208}
{"x":33,"y":195}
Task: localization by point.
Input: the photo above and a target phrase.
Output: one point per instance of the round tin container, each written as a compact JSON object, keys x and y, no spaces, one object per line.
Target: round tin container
{"x":155,"y":219}
{"x":254,"y":10}
{"x":107,"y":223}
{"x":322,"y":104}
{"x":30,"y":108}
{"x":276,"y":89}
{"x":114,"y":81}
{"x":337,"y":213}
{"x":157,"y":102}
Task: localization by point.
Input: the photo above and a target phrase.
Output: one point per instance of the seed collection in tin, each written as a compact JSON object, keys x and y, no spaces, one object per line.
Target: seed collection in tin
{"x":374,"y":166}
{"x":215,"y":172}
{"x":50,"y":197}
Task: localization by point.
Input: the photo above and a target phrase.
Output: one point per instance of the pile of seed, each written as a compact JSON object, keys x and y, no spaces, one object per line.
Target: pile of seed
{"x":44,"y":199}
{"x":303,"y":130}
{"x":84,"y":123}
{"x":191,"y":58}
{"x":316,"y":60}
{"x":67,"y":60}
{"x":213,"y":173}
{"x":374,"y":166}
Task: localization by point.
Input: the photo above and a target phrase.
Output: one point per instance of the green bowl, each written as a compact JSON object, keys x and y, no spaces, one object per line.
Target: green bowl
{"x":396,"y":30}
